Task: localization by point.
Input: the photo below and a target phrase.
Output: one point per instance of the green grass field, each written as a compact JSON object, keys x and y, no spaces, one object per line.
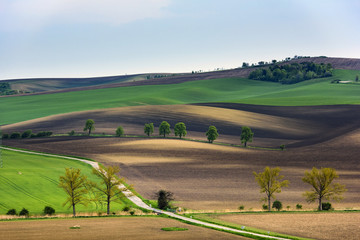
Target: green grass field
{"x":31,"y":181}
{"x":237,"y":90}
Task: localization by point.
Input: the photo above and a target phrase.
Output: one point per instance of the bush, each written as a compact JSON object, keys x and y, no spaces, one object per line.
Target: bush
{"x":15,"y":135}
{"x":298,"y":206}
{"x":241,"y":207}
{"x":126,"y":209}
{"x":71,"y":133}
{"x":49,"y":210}
{"x":265,"y":207}
{"x":26,"y":134}
{"x":5,"y":136}
{"x":44,"y":134}
{"x":132,"y":212}
{"x":326,"y":206}
{"x":11,"y":212}
{"x":24,"y":212}
{"x":282,"y":147}
{"x":277,"y":205}
{"x":32,"y":135}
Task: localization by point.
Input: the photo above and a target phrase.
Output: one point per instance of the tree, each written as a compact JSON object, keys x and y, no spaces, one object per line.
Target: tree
{"x":75,"y":186}
{"x":246,"y":135}
{"x":89,"y":125}
{"x":180,"y":129}
{"x":322,"y":185}
{"x":270,"y":183}
{"x":357,"y":78}
{"x":26,"y":134}
{"x":119,"y":131}
{"x":212,"y":134}
{"x":164,"y":128}
{"x":110,"y":188}
{"x":164,"y":198}
{"x":49,"y":210}
{"x":149,"y":128}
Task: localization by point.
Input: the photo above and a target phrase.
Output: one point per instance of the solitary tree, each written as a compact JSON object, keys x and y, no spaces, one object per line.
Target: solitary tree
{"x":246,"y":135}
{"x":357,"y":78}
{"x":212,"y":134}
{"x":75,"y":186}
{"x":164,"y":128}
{"x":322,"y":185}
{"x":110,"y":188}
{"x":149,"y":128}
{"x":89,"y":125}
{"x":180,"y":129}
{"x":270,"y":183}
{"x":119,"y":131}
{"x":164,"y":198}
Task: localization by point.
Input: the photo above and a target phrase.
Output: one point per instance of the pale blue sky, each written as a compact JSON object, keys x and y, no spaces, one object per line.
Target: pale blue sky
{"x":84,"y":38}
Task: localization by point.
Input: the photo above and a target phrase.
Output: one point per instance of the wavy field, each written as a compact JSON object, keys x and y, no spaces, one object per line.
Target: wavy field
{"x":236,"y":90}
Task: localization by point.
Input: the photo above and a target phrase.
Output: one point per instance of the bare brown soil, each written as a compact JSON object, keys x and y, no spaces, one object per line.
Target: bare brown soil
{"x":106,"y":228}
{"x":42,"y":86}
{"x":273,"y":126}
{"x":325,"y":226}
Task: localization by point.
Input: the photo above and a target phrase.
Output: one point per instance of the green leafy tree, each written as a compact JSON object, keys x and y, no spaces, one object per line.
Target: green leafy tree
{"x":164,"y":198}
{"x":75,"y":186}
{"x":322,"y":185}
{"x":180,"y":129}
{"x":246,"y":135}
{"x":119,"y":131}
{"x":26,"y":134}
{"x":212,"y":134}
{"x":164,"y":128}
{"x":149,"y":128}
{"x":89,"y":125}
{"x":111,"y":187}
{"x":270,"y":183}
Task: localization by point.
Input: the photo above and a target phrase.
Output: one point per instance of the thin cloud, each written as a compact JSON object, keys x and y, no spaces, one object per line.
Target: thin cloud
{"x":22,"y":15}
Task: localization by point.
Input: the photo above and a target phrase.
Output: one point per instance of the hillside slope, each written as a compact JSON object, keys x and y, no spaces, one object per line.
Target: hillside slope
{"x":52,"y":85}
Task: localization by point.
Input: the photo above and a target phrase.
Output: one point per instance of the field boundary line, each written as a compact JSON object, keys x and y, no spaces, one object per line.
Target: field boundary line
{"x":137,"y":201}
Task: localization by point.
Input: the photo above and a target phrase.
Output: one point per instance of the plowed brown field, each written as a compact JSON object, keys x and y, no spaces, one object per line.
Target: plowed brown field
{"x":106,"y":228}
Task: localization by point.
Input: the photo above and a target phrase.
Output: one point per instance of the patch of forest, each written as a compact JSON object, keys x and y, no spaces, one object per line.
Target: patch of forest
{"x":292,"y":73}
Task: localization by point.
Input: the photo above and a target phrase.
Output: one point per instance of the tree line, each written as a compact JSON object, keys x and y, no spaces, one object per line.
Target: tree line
{"x":292,"y":73}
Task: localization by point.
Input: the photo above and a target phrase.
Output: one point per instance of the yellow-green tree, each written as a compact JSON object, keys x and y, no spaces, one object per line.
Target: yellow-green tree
{"x":322,"y":185}
{"x":110,"y":188}
{"x":270,"y":183}
{"x":75,"y":186}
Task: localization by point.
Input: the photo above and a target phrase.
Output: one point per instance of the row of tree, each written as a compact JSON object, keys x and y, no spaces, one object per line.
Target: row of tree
{"x":179,"y":130}
{"x":321,"y":181}
{"x":292,"y":73}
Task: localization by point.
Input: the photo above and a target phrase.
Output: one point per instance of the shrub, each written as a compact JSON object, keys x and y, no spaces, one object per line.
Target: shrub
{"x":326,"y":206}
{"x":265,"y":207}
{"x":126,"y":208}
{"x":277,"y":205}
{"x":24,"y":212}
{"x":32,"y":135}
{"x":71,"y":133}
{"x":15,"y":135}
{"x":49,"y":210}
{"x":241,"y":207}
{"x":5,"y":136}
{"x":132,"y":212}
{"x":282,"y":147}
{"x":11,"y":212}
{"x":44,"y":134}
{"x":26,"y":134}
{"x":298,"y":206}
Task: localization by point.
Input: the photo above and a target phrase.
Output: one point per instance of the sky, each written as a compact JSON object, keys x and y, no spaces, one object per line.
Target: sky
{"x":89,"y":38}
